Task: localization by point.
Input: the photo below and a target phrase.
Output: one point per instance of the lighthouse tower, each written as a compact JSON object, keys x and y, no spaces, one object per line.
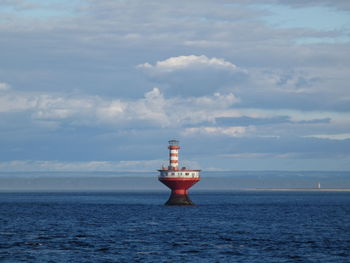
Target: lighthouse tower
{"x":178,"y":180}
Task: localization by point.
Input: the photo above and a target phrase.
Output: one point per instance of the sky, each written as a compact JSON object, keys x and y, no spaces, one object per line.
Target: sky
{"x":244,"y":85}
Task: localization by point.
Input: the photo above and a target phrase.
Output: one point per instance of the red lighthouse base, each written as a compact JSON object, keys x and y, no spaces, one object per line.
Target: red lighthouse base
{"x":179,"y":190}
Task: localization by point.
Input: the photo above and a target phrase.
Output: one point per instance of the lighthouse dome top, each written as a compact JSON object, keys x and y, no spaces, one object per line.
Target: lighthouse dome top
{"x":173,"y":142}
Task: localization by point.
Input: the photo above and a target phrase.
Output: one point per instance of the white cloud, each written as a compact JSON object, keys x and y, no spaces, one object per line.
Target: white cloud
{"x":16,"y":102}
{"x":193,"y":75}
{"x":218,"y":100}
{"x":189,"y":115}
{"x":4,"y":86}
{"x":111,"y":111}
{"x":153,"y":107}
{"x":342,"y":136}
{"x":29,"y":165}
{"x":188,"y":62}
{"x":237,"y":131}
{"x":93,"y":110}
{"x":255,"y":155}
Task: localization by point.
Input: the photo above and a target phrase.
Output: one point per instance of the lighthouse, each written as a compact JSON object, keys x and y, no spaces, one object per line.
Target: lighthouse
{"x":178,"y":180}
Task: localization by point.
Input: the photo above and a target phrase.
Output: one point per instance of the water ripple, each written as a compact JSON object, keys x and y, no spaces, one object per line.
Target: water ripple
{"x":296,"y":227}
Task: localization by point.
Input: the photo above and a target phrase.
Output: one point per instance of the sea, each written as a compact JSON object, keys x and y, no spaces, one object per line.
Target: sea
{"x":223,"y":226}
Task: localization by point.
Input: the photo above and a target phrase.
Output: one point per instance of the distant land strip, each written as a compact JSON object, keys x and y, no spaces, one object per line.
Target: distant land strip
{"x":302,"y":189}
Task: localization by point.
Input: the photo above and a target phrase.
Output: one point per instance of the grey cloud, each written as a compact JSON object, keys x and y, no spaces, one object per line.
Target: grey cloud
{"x":340,"y":4}
{"x":295,"y":89}
{"x":315,"y":121}
{"x":96,"y":51}
{"x":246,"y":121}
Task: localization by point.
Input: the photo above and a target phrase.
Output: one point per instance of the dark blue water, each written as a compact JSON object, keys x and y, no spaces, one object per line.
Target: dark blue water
{"x":242,"y":226}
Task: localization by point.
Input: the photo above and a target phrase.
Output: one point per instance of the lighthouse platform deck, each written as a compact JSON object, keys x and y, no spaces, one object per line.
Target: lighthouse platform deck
{"x":165,"y":173}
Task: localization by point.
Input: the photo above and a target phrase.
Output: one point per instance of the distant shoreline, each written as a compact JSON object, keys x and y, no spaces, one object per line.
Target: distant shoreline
{"x":303,"y":189}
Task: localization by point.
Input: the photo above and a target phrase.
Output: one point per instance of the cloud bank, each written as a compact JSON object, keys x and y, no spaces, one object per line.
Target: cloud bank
{"x":112,"y":81}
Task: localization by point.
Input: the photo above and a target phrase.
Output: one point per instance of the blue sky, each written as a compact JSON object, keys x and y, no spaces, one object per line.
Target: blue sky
{"x":244,"y":85}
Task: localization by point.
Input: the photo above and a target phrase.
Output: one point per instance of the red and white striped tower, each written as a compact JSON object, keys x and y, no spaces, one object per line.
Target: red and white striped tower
{"x":178,"y":180}
{"x":173,"y":155}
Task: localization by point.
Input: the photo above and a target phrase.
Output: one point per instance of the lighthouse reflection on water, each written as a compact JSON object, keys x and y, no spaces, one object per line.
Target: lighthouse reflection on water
{"x":178,"y":180}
